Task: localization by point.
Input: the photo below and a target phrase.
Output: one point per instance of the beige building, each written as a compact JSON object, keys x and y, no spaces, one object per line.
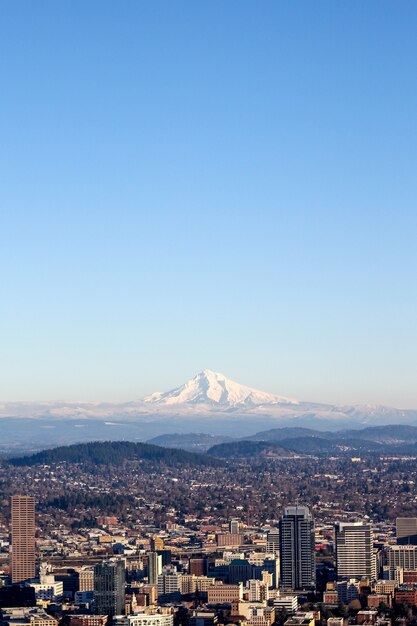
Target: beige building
{"x":32,"y":616}
{"x":255,"y":613}
{"x":224,"y":594}
{"x":86,"y":579}
{"x":229,"y":539}
{"x":204,"y":583}
{"x":385,"y":587}
{"x":188,"y":584}
{"x":147,"y":618}
{"x":301,"y":619}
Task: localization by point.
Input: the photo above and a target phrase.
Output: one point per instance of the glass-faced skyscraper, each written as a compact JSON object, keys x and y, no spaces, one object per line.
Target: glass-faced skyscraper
{"x":297,"y":544}
{"x":109,"y":588}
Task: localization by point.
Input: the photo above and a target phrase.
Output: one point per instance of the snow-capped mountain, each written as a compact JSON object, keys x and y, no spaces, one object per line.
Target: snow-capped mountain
{"x":209,"y":403}
{"x":214,"y":389}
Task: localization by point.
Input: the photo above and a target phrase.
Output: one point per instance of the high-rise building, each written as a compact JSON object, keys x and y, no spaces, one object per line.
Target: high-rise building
{"x":198,"y":567}
{"x":297,"y":545}
{"x":169,"y":584}
{"x":354,"y":551}
{"x":407,"y":531}
{"x":166,"y":556}
{"x":86,"y":579}
{"x":157,"y":543}
{"x":109,"y":588}
{"x":154,"y":567}
{"x":404,"y":557}
{"x":23,"y":538}
{"x":272,"y":541}
{"x":234,"y":526}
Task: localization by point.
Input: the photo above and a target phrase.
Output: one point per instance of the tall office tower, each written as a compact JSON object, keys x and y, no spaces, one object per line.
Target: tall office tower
{"x":272,"y":541}
{"x":234,"y":526}
{"x":157,"y":543}
{"x":354,"y":551}
{"x":296,"y":543}
{"x":169,"y":584}
{"x":23,"y":538}
{"x":86,"y":579}
{"x":166,"y":556}
{"x":407,"y":531}
{"x":198,"y":567}
{"x":404,"y":557}
{"x":109,"y":588}
{"x":154,"y":567}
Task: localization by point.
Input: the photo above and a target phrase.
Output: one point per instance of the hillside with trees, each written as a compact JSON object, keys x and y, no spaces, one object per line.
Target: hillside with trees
{"x":113,"y":453}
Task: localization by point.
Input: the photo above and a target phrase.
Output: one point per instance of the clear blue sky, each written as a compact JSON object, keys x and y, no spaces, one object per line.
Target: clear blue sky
{"x":216,"y":184}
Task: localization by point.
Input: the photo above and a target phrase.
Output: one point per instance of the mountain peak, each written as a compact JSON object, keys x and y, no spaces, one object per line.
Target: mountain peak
{"x":214,"y":389}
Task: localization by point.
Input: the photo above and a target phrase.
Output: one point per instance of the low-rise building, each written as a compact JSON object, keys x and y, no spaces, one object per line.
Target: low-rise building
{"x":366,"y":617}
{"x":302,"y":619}
{"x":406,"y":595}
{"x":376,"y":599}
{"x":203,"y":618}
{"x":224,"y":594}
{"x":88,"y":620}
{"x":331,"y":598}
{"x":151,"y":618}
{"x":288,"y":602}
{"x":33,"y":616}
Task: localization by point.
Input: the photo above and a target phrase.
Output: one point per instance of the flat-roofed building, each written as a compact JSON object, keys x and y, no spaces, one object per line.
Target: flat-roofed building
{"x":331,"y":598}
{"x":33,"y":616}
{"x":88,"y":620}
{"x":272,"y":541}
{"x":224,"y":594}
{"x":406,"y":530}
{"x":86,"y":579}
{"x":404,"y":557}
{"x":303,"y":619}
{"x":154,"y":618}
{"x":23,"y":538}
{"x":385,"y":587}
{"x":203,"y":618}
{"x":406,"y":595}
{"x":375,"y":599}
{"x":354,"y":551}
{"x":229,"y":539}
{"x":337,"y":621}
{"x":289,"y":603}
{"x":366,"y":617}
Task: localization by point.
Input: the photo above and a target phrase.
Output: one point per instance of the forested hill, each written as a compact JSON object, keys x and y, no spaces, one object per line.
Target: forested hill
{"x":113,"y":453}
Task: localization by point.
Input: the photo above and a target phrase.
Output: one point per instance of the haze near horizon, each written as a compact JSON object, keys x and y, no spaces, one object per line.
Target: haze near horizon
{"x":208,"y":185}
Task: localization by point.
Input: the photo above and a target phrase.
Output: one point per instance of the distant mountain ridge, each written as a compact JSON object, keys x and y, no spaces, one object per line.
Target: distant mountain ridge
{"x":399,"y":439}
{"x":209,"y":402}
{"x":275,"y":443}
{"x":299,"y":440}
{"x":398,"y":433}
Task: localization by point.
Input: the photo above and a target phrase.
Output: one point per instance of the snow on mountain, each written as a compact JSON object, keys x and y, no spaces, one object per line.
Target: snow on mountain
{"x":208,"y":399}
{"x":214,"y":389}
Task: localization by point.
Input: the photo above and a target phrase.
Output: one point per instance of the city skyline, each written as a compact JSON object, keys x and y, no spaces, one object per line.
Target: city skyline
{"x":213,"y":185}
